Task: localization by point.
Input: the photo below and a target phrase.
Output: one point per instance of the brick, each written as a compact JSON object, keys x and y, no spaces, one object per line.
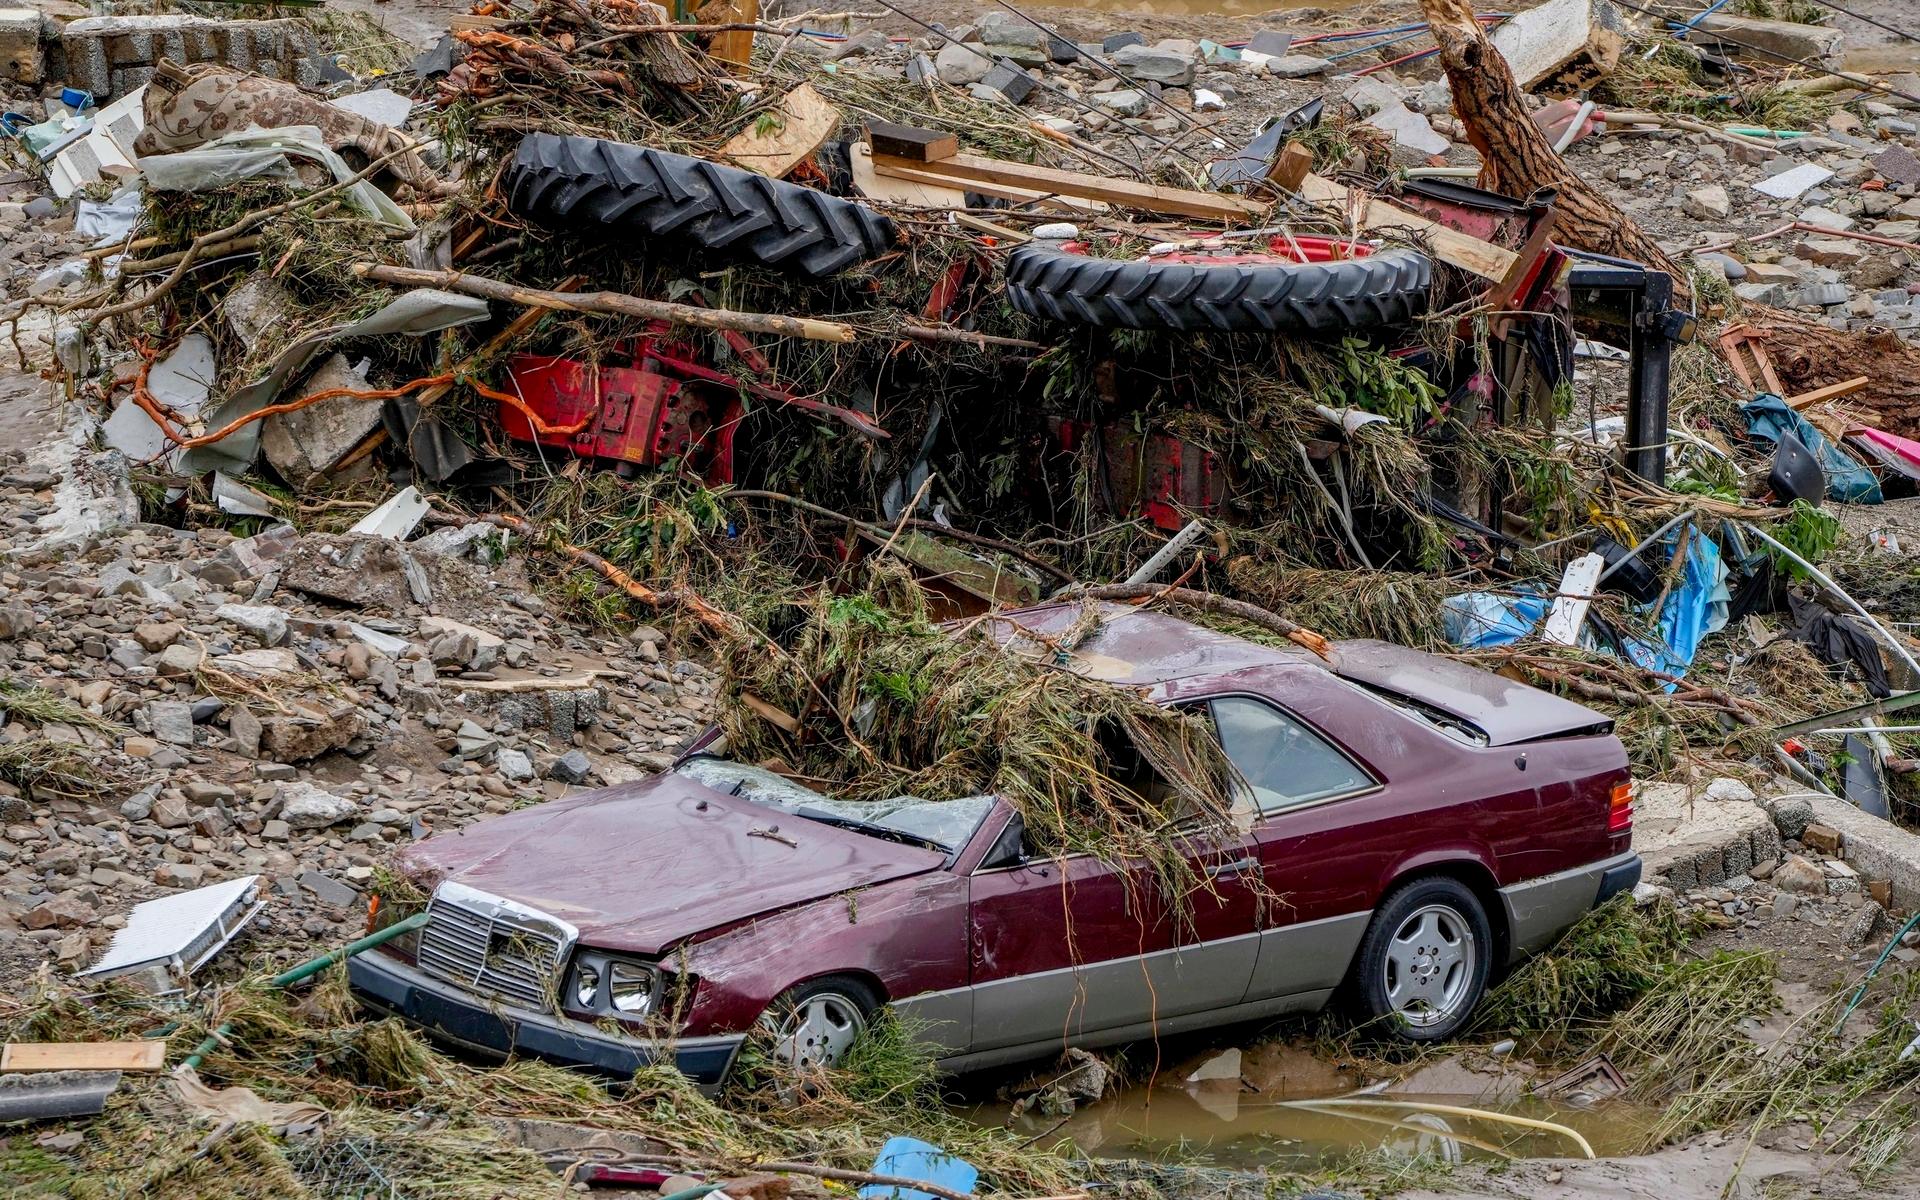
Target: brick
{"x":1824,"y":838}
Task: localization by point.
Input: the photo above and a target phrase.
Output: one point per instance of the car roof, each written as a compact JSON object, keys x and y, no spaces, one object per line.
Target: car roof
{"x":1141,"y":647}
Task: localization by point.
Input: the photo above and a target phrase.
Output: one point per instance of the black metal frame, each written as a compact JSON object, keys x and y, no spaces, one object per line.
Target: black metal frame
{"x":1630,"y":305}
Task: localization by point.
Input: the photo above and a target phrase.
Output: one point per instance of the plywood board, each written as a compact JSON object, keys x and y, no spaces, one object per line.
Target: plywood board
{"x":806,"y":121}
{"x":146,"y":1054}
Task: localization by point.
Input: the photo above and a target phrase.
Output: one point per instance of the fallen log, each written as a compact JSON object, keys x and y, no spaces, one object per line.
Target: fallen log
{"x":1516,"y":158}
{"x":618,"y":303}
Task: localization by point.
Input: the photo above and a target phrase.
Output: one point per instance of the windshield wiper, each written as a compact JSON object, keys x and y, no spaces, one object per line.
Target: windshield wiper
{"x":868,"y":827}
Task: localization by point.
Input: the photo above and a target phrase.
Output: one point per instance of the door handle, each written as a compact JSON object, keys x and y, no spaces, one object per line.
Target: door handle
{"x":1228,"y":870}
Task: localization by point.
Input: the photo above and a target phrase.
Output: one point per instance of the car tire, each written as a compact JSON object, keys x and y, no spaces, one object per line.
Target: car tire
{"x":812,"y":1025}
{"x":580,"y":183}
{"x":1425,"y":960}
{"x":1315,"y":298}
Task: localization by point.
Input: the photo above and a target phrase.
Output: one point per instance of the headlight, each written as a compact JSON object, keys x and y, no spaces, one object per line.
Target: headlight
{"x":631,"y":987}
{"x":586,"y":985}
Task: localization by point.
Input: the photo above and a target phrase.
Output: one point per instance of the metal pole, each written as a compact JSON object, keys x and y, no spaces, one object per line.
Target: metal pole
{"x":1834,"y":588}
{"x":1189,"y":534}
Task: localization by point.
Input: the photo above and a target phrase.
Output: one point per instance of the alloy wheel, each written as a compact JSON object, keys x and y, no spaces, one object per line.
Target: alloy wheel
{"x":1430,"y":966}
{"x":817,"y":1033}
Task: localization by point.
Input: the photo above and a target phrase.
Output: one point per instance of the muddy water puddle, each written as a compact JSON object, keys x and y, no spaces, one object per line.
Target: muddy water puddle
{"x":1278,"y":1106}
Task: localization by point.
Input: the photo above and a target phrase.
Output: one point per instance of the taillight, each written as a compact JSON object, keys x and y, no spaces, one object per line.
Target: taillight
{"x":1620,"y":810}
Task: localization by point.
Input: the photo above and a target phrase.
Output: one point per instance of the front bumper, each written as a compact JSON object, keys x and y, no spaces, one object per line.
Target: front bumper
{"x":497,"y":1029}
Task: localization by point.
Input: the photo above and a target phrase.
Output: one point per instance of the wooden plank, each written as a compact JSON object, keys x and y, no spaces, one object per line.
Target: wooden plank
{"x":912,"y":185}
{"x":468,"y":23}
{"x":145,"y":1054}
{"x":1571,"y":601}
{"x":806,"y":121}
{"x":907,"y":141}
{"x":1831,"y":392}
{"x":1448,"y":245}
{"x":971,"y":170}
{"x":735,"y":46}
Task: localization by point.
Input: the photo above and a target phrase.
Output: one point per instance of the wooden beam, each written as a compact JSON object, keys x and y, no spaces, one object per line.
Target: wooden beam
{"x":907,"y":141}
{"x":732,"y":46}
{"x":1832,"y":391}
{"x":919,"y":186}
{"x":1290,"y":167}
{"x":1378,"y":216}
{"x":145,"y":1054}
{"x":971,"y":169}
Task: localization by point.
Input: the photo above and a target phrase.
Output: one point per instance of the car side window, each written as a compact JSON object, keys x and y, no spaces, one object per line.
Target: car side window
{"x":1286,"y":763}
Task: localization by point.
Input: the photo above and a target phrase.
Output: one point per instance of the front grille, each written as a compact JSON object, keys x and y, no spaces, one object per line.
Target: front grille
{"x":477,"y":945}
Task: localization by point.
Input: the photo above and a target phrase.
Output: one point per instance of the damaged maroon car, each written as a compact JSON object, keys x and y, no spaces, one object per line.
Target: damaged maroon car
{"x":1422,"y":825}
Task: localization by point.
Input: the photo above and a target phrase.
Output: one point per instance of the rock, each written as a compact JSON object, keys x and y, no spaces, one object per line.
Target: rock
{"x":61,"y":912}
{"x":138,"y":807}
{"x":329,"y":890}
{"x":1730,"y":267}
{"x":998,"y":27}
{"x":1810,"y":295}
{"x":171,"y":721}
{"x":291,"y":739}
{"x":180,"y":875}
{"x":1298,"y":66}
{"x":571,"y":767}
{"x":1726,"y":790}
{"x":1008,"y":80}
{"x":1799,"y":875}
{"x":246,"y":731}
{"x":171,"y":811}
{"x":16,"y":618}
{"x":276,"y":830}
{"x":1119,"y":41}
{"x":961,"y":65}
{"x":1710,"y":203}
{"x":514,"y":765}
{"x":1826,"y":218}
{"x":304,"y":806}
{"x":1785,"y":905}
{"x":177,"y":660}
{"x":1831,"y":252}
{"x":1205,"y":100}
{"x":265,"y":622}
{"x":1151,"y":64}
{"x":1125,"y":102}
{"x":867,"y":41}
{"x":1410,"y":129}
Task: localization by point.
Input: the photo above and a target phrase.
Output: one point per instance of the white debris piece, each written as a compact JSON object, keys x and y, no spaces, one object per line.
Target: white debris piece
{"x":1575,"y":595}
{"x":397,"y":517}
{"x":168,"y":939}
{"x":1791,"y":183}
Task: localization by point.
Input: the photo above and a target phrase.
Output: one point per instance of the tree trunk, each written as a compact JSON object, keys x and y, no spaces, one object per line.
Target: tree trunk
{"x":1807,"y":355}
{"x":1516,"y":158}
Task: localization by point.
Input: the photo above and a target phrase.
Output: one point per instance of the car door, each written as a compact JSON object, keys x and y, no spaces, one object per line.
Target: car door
{"x":1318,"y":843}
{"x":1064,"y":948}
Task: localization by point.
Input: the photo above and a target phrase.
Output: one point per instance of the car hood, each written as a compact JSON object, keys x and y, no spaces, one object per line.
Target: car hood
{"x":1507,"y":711}
{"x":642,"y":866}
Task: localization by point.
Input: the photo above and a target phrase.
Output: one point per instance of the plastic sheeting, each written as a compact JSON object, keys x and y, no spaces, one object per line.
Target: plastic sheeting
{"x":1477,"y":620}
{"x":1892,"y":452}
{"x":1768,"y":417}
{"x":252,"y":152}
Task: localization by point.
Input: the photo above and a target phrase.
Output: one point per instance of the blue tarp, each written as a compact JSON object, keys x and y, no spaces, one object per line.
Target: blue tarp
{"x":1848,"y":479}
{"x":910,"y":1158}
{"x":1695,"y":607}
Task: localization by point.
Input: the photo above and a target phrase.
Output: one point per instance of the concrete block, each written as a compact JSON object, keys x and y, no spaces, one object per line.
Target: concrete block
{"x":21,"y":59}
{"x":1815,"y":43}
{"x":304,"y":444}
{"x":1562,"y":46}
{"x":109,"y":56}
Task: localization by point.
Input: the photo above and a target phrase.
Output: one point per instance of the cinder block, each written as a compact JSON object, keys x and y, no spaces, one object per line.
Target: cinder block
{"x":21,"y":60}
{"x":1709,"y":867}
{"x":111,"y":55}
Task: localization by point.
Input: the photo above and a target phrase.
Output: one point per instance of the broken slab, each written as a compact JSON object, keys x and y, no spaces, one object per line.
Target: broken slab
{"x":306,"y":444}
{"x":1563,"y":46}
{"x":1819,"y":44}
{"x":1792,"y":182}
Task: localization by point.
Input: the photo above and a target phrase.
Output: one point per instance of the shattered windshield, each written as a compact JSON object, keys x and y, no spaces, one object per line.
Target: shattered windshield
{"x":944,"y":824}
